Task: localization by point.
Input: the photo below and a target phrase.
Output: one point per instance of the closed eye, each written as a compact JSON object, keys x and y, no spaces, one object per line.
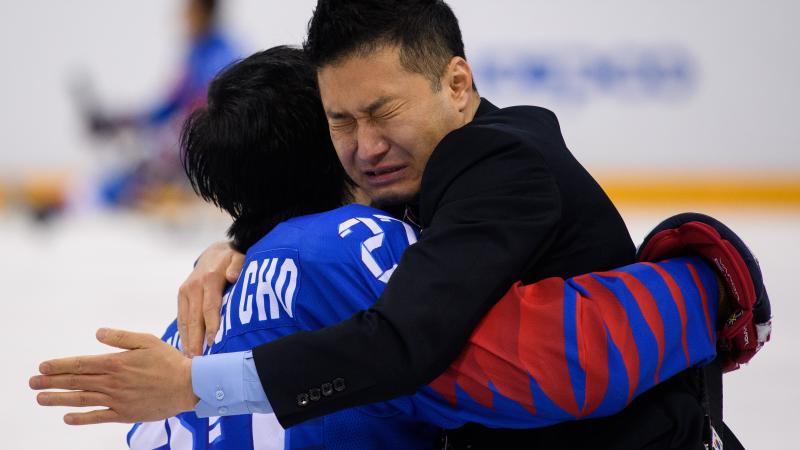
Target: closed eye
{"x":388,"y":114}
{"x":341,"y":126}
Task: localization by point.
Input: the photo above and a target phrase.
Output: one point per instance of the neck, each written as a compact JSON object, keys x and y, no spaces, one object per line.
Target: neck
{"x":472,"y":107}
{"x":359,"y":196}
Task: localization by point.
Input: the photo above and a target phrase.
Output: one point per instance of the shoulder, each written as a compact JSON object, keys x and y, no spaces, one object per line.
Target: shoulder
{"x":520,"y":128}
{"x":329,"y":223}
{"x":352,"y":238}
{"x":217,"y":40}
{"x":212,"y":53}
{"x":350,"y":226}
{"x":504,"y":148}
{"x":519,"y":134}
{"x":524,"y":130}
{"x":516,"y":120}
{"x":332,"y":235}
{"x":308,"y":230}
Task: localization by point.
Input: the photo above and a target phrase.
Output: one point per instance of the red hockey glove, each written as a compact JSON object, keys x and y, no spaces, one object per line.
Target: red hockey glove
{"x":748,"y":326}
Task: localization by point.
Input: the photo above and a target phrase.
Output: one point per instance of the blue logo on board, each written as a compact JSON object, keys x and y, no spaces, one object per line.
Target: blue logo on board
{"x":581,"y":74}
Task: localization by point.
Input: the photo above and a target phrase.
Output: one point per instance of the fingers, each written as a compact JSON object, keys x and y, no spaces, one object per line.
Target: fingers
{"x":190,"y":316}
{"x":203,"y":320}
{"x":212,"y":301}
{"x":93,"y":417}
{"x":80,"y":365}
{"x":200,"y":296}
{"x":189,"y":294}
{"x":183,"y":314}
{"x":72,"y":382}
{"x":193,"y":340}
{"x":127,"y":340}
{"x":234,"y":267}
{"x":78,"y":398}
{"x":193,"y":343}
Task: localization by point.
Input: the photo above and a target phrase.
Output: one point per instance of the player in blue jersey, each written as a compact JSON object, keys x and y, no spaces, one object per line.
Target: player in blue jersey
{"x":287,"y":174}
{"x":209,"y":51}
{"x":306,"y":269}
{"x":289,"y":278}
{"x":156,"y":162}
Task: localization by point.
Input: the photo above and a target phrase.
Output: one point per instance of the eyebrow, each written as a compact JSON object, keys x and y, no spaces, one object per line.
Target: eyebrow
{"x":377,"y":104}
{"x":370,"y":109}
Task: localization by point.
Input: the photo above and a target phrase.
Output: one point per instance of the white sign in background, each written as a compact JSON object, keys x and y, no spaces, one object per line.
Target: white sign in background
{"x":637,"y":85}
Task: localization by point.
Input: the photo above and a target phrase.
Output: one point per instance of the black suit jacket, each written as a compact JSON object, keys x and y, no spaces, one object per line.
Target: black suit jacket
{"x":502,"y":199}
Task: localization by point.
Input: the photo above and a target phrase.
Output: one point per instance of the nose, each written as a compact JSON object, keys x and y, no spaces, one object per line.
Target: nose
{"x":372,"y":146}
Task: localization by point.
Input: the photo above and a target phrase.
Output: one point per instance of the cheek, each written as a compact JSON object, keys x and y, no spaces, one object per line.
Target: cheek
{"x":424,"y":144}
{"x":408,"y":136}
{"x":422,"y":134}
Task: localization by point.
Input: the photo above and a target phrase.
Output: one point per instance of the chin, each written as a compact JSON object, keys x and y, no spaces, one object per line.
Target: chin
{"x":390,"y":198}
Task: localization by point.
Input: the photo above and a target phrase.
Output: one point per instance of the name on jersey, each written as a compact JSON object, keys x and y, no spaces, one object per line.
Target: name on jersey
{"x":265,"y":291}
{"x":268,"y":287}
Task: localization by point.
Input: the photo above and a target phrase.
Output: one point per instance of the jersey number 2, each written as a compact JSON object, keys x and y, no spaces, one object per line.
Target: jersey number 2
{"x":375,"y":241}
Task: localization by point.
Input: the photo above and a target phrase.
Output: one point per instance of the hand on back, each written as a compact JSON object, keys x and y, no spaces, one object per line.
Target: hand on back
{"x":200,"y":295}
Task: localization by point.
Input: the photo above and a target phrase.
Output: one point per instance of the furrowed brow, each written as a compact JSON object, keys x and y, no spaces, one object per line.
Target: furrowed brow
{"x":377,"y":104}
{"x":335,"y":115}
{"x":371,"y":109}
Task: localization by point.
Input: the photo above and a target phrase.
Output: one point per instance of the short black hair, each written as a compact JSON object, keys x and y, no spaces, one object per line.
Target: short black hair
{"x":260,"y":149}
{"x":210,"y":6}
{"x":426,"y":32}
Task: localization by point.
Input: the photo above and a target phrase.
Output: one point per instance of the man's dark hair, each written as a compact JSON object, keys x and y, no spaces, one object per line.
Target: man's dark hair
{"x":426,"y":31}
{"x":209,"y":6}
{"x":260,"y":149}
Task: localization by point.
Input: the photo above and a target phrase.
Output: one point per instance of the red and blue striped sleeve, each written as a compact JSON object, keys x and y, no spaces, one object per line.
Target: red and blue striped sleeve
{"x":584,"y":347}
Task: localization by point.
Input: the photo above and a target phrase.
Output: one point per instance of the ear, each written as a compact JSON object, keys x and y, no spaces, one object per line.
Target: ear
{"x":458,"y":82}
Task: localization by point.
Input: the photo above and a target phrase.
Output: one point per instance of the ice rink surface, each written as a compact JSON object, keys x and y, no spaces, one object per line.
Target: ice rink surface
{"x":65,"y":280}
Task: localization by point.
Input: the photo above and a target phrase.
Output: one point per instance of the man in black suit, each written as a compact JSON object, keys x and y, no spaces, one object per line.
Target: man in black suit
{"x":496,"y":192}
{"x":499,"y":198}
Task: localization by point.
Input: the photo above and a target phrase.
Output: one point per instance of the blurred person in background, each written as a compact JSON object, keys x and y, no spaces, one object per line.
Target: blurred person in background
{"x":151,"y":174}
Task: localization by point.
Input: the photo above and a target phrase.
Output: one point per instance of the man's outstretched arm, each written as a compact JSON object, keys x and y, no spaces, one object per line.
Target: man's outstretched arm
{"x":150,"y":380}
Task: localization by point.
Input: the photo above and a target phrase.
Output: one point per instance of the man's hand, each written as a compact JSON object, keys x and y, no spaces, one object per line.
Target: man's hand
{"x":200,"y":296}
{"x":150,"y":381}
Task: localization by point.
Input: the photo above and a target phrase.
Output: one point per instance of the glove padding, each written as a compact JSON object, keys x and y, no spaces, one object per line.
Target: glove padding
{"x":748,"y":326}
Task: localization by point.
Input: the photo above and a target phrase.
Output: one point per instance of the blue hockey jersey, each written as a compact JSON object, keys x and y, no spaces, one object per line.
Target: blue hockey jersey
{"x":308,"y":272}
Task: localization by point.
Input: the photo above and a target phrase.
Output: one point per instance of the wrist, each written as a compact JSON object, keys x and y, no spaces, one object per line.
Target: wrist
{"x":189,"y":399}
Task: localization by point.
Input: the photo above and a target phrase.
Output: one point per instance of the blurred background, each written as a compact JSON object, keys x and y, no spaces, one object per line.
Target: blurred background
{"x":673,"y":106}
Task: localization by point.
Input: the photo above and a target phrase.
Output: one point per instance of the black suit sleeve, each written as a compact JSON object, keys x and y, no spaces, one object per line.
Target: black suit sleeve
{"x":494,"y":209}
